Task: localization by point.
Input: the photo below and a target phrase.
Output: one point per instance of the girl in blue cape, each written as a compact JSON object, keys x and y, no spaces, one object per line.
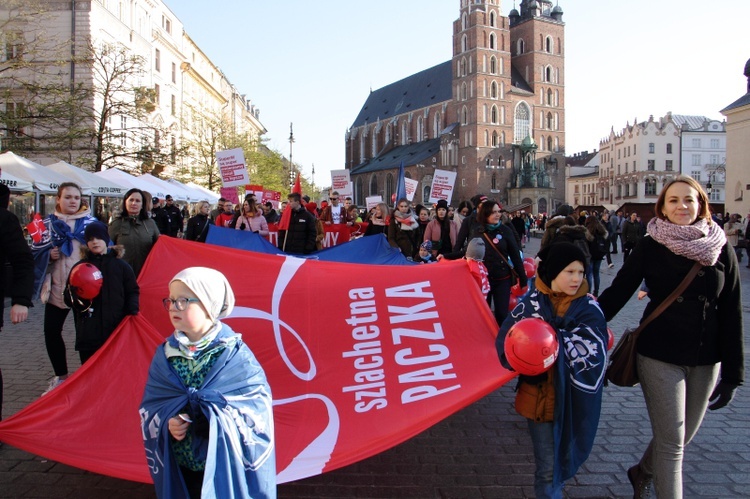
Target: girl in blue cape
{"x":562,"y":405}
{"x":206,"y":413}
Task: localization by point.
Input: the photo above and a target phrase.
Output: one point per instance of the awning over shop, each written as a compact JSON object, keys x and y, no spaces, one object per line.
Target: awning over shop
{"x":43,"y":179}
{"x":98,"y":185}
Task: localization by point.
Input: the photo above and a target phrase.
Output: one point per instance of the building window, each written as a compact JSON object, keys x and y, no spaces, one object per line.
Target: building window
{"x":493,"y":90}
{"x":420,"y":129}
{"x":669,"y":148}
{"x":669,"y":165}
{"x":549,"y":121}
{"x":374,"y":185}
{"x":548,"y":74}
{"x":650,"y":187}
{"x":696,"y":143}
{"x":492,"y":19}
{"x":714,"y":159}
{"x":493,"y":117}
{"x":464,"y":115}
{"x":696,"y":174}
{"x":174,"y":73}
{"x":492,"y":41}
{"x":651,"y":165}
{"x":494,"y":182}
{"x":522,"y":124}
{"x":548,"y":45}
{"x":389,"y":190}
{"x":494,"y":139}
{"x":157,"y":93}
{"x":14,"y":45}
{"x":520,"y":46}
{"x":696,"y":159}
{"x":166,"y":23}
{"x":651,"y":148}
{"x":493,"y":65}
{"x":714,"y":143}
{"x":157,"y":59}
{"x":627,"y":190}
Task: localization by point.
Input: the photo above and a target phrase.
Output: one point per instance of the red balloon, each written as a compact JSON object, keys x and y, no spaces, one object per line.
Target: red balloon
{"x":531,"y":346}
{"x":611,"y":341}
{"x":530,"y":260}
{"x":530,"y":269}
{"x":86,"y":281}
{"x":512,"y":302}
{"x":517,"y":290}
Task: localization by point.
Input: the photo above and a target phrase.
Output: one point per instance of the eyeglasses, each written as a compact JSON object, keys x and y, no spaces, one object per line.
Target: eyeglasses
{"x":334,"y":199}
{"x":179,"y":304}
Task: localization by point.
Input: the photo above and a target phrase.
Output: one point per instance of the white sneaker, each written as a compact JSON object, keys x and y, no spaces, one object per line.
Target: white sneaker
{"x":53,"y":383}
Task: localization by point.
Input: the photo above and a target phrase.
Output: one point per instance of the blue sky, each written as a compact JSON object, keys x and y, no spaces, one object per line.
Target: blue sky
{"x":314,"y":63}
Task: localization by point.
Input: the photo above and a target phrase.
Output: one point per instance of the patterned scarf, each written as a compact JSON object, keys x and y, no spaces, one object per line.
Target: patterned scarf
{"x":701,"y":241}
{"x":62,"y":236}
{"x":408,"y":220}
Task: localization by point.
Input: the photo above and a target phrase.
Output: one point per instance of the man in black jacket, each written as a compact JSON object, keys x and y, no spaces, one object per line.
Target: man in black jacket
{"x":299,"y":237}
{"x":15,"y":251}
{"x":173,"y":218}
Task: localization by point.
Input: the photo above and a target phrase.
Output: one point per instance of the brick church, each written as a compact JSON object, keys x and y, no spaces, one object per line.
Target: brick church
{"x":494,"y":114}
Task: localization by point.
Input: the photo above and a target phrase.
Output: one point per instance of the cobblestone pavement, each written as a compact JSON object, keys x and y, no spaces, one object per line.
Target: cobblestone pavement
{"x":482,"y":451}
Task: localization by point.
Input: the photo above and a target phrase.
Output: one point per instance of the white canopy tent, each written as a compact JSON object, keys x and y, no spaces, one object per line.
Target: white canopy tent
{"x":43,"y":179}
{"x":125,"y":179}
{"x":195,"y":194}
{"x":210,"y":196}
{"x":14,"y":183}
{"x":163,"y":187}
{"x":98,"y":185}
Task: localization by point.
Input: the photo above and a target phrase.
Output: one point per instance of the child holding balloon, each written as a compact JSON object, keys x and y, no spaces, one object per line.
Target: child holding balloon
{"x":562,"y":361}
{"x":101,"y":289}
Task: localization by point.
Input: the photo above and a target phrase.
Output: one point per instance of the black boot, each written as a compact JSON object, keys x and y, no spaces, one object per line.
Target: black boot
{"x":640,"y":481}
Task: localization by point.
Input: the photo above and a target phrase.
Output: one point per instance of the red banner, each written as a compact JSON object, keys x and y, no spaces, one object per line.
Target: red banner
{"x":389,"y":352}
{"x":335,"y":234}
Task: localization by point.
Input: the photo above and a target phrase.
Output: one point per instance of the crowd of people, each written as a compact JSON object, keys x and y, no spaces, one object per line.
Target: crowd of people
{"x":690,"y":358}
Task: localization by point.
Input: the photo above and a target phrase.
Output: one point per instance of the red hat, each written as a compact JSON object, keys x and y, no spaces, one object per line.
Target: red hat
{"x":323,"y":204}
{"x":311,"y":207}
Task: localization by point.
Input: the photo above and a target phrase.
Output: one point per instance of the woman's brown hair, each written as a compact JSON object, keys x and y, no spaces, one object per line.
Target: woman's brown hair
{"x":62,"y":187}
{"x":703,"y":211}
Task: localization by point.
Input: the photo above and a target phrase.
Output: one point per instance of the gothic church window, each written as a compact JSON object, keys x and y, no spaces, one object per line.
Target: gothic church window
{"x":492,"y":19}
{"x":494,"y":115}
{"x":493,"y":65}
{"x":374,"y":185}
{"x":549,"y":46}
{"x":520,"y":46}
{"x":493,"y":90}
{"x":492,"y":41}
{"x":522,"y":122}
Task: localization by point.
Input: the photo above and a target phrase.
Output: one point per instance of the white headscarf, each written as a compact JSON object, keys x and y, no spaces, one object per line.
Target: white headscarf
{"x":211,"y":288}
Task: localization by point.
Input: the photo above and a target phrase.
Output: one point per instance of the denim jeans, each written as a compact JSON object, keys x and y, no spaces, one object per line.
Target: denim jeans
{"x":543,"y":440}
{"x":596,"y":266}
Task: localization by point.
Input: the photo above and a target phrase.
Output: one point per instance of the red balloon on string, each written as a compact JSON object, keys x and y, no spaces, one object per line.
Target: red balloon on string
{"x":517,"y":290}
{"x":531,"y":346}
{"x":530,"y":269}
{"x":512,"y":302}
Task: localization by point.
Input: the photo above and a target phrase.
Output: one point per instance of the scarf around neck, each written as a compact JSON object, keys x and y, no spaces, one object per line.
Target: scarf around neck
{"x":701,"y":241}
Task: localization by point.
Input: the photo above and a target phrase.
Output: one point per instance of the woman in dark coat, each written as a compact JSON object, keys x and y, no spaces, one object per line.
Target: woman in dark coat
{"x":501,"y":249}
{"x":197,"y":225}
{"x":134,"y":229}
{"x":695,"y":341}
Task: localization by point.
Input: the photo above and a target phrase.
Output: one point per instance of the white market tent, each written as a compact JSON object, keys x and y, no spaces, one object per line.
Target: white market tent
{"x":99,"y":186}
{"x":43,"y":179}
{"x":210,"y":196}
{"x":163,"y":187}
{"x":125,"y":179}
{"x":14,"y":183}
{"x":195,"y":194}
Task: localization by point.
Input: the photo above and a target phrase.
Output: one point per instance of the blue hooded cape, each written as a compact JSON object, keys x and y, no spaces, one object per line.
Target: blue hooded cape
{"x":236,"y":400}
{"x":579,"y":378}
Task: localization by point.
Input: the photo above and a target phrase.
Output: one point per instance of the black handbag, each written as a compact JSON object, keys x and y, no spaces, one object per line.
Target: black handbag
{"x":622,"y":369}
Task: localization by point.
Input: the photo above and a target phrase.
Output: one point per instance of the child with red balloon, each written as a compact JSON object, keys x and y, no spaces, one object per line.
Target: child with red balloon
{"x":556,"y":338}
{"x":101,"y":290}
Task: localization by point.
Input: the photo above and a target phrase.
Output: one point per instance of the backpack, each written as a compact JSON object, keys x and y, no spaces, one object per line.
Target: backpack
{"x":598,"y":247}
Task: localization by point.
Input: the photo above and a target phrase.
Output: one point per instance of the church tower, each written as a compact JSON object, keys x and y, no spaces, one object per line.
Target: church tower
{"x":508,"y":96}
{"x":481,"y":85}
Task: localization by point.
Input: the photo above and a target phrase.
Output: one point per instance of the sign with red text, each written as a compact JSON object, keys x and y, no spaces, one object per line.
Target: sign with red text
{"x":273,"y":196}
{"x":341,"y":183}
{"x":411,"y":188}
{"x":230,"y":194}
{"x":390,"y":352}
{"x":232,"y":167}
{"x":442,"y":186}
{"x":372,"y":201}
